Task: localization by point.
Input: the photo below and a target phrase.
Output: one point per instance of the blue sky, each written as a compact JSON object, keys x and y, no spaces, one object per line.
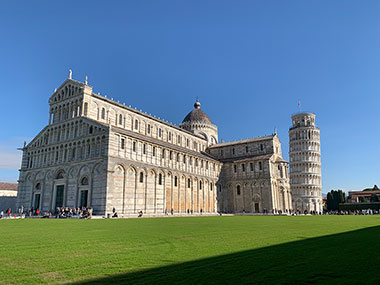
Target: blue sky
{"x":249,"y":62}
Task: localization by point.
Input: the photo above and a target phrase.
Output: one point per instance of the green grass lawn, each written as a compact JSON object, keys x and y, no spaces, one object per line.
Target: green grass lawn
{"x":250,"y":249}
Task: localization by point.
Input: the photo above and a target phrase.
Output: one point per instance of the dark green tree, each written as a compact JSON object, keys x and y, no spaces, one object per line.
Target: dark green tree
{"x":334,"y":198}
{"x":374,"y":198}
{"x":330,"y":201}
{"x":363,"y":200}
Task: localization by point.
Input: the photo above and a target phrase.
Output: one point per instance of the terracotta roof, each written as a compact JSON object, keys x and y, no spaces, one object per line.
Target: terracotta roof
{"x":197,"y":115}
{"x":363,"y":193}
{"x":265,"y":138}
{"x":8,"y":186}
{"x":247,"y":158}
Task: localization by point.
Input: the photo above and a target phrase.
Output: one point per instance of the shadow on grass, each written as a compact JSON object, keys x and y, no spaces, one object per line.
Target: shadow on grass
{"x":350,"y":257}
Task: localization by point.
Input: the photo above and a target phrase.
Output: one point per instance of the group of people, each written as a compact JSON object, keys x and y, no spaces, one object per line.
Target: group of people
{"x":189,"y":212}
{"x":115,"y":215}
{"x":66,"y":212}
{"x":59,"y":213}
{"x":354,"y":212}
{"x":8,"y":213}
{"x":289,"y":212}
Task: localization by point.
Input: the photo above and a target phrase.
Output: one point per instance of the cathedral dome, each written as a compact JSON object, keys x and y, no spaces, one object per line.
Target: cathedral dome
{"x":197,"y":116}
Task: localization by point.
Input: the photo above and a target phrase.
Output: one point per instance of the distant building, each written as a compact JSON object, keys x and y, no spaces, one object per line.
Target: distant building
{"x":8,"y":196}
{"x":364,"y":195}
{"x":324,"y":201}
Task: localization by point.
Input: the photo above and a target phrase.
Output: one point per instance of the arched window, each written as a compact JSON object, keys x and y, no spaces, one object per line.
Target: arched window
{"x":90,"y":130}
{"x":85,"y":108}
{"x":200,"y":184}
{"x":136,"y":124}
{"x":141,"y":177}
{"x":38,"y":186}
{"x":120,"y":119}
{"x":175,"y":181}
{"x":160,"y":179}
{"x":238,"y":190}
{"x":59,"y":175}
{"x":188,"y":183}
{"x":84,"y":181}
{"x":103,"y":113}
{"x":134,"y":146}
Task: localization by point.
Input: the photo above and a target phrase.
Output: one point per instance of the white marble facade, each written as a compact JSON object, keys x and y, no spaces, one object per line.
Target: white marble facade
{"x":98,"y":153}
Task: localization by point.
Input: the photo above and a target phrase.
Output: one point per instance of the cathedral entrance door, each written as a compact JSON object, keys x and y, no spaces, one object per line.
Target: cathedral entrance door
{"x":257,"y":207}
{"x":59,"y":196}
{"x":37,"y":198}
{"x":83,"y":198}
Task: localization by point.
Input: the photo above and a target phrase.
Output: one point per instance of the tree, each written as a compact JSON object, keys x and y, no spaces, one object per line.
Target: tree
{"x":363,"y":200}
{"x":334,"y":198}
{"x":329,"y":202}
{"x":374,"y":198}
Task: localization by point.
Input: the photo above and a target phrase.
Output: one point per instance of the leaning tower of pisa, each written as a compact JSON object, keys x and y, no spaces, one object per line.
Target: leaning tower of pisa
{"x":305,"y":163}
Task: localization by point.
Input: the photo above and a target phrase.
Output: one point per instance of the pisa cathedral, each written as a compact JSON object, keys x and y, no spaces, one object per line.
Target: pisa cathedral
{"x":98,"y":153}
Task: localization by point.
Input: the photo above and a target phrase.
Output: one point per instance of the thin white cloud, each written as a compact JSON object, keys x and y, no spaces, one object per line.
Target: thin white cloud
{"x":10,"y":157}
{"x":10,"y":161}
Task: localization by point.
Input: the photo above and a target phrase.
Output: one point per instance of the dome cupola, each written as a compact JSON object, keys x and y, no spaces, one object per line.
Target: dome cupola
{"x":197,"y":115}
{"x":200,"y":124}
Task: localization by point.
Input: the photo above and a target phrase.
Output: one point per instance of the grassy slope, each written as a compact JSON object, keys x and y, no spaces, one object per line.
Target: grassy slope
{"x":248,"y":249}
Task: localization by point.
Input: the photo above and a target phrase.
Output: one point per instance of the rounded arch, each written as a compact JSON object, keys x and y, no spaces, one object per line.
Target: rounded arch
{"x":132,"y":168}
{"x":238,"y":189}
{"x":60,"y":174}
{"x":96,"y":168}
{"x":84,"y":181}
{"x":83,"y":170}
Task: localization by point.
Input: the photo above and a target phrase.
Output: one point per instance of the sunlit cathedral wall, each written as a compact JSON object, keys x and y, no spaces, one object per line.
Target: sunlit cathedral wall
{"x":254,"y":176}
{"x":99,"y":153}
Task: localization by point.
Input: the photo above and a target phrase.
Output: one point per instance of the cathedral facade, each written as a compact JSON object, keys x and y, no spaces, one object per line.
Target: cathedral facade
{"x":98,"y":153}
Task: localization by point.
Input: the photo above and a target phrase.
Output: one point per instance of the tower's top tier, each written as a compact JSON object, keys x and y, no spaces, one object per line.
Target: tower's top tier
{"x":303,"y":120}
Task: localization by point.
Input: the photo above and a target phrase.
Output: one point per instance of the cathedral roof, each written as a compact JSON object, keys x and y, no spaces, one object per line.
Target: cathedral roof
{"x":197,"y":115}
{"x":265,"y":138}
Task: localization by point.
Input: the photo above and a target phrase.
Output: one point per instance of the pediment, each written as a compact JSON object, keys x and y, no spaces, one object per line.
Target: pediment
{"x":69,"y":89}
